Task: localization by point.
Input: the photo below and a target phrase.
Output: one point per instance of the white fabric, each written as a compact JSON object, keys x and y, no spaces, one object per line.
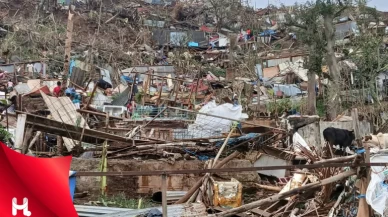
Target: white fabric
{"x":208,"y":126}
{"x":298,"y":139}
{"x":377,"y":192}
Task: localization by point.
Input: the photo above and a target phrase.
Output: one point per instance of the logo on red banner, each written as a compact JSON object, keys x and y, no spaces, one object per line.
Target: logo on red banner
{"x":34,"y":187}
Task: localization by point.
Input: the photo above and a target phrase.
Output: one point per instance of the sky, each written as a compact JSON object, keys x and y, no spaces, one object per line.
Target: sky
{"x":381,"y":5}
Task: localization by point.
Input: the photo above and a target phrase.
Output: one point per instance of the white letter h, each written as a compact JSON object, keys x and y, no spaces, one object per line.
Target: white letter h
{"x":24,"y":207}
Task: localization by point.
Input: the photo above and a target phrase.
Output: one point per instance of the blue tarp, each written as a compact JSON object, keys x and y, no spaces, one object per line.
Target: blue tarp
{"x":72,"y":183}
{"x":72,"y":64}
{"x":268,"y":32}
{"x":199,"y":157}
{"x":193,"y":44}
{"x":234,"y":141}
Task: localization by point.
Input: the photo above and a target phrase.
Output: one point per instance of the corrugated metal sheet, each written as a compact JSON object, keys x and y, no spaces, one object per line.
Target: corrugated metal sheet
{"x":156,"y":69}
{"x":122,"y":98}
{"x":99,"y":98}
{"x":164,"y":36}
{"x":154,"y":23}
{"x":87,"y":211}
{"x":22,"y":88}
{"x":259,"y":70}
{"x":178,"y":38}
{"x":288,"y":90}
{"x":296,"y":59}
{"x":344,"y":29}
{"x":187,"y":210}
{"x":78,"y":76}
{"x":63,"y":110}
{"x":159,"y":2}
{"x":106,"y":75}
{"x":275,"y":62}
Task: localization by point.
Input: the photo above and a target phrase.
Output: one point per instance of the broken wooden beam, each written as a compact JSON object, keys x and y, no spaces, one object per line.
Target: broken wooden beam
{"x":19,"y":137}
{"x":70,"y":131}
{"x":199,"y":182}
{"x":338,"y":159}
{"x":34,"y":139}
{"x":286,"y":194}
{"x":102,"y":114}
{"x":268,"y":187}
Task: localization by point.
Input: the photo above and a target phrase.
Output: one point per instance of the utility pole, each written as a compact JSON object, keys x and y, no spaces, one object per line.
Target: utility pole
{"x":69,"y":39}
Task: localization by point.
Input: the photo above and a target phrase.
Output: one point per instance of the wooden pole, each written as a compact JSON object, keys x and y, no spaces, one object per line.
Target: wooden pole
{"x":286,"y":194}
{"x":338,"y":159}
{"x":160,"y":93}
{"x":20,"y":126}
{"x":59,"y":145}
{"x":268,"y":187}
{"x":68,"y":41}
{"x":164,"y":195}
{"x":102,"y":114}
{"x":37,"y":135}
{"x":91,"y":96}
{"x":27,"y":136}
{"x":222,"y":147}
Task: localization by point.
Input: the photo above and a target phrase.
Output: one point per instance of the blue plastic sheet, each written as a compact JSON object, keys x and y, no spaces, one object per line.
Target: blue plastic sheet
{"x":268,"y":32}
{"x":72,"y":183}
{"x":199,"y":157}
{"x":234,"y":141}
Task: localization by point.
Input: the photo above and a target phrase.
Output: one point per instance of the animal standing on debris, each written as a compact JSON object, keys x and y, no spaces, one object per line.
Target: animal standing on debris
{"x":342,"y":138}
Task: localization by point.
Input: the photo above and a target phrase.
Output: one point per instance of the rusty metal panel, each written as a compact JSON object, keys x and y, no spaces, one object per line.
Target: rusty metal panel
{"x":228,"y":194}
{"x":184,"y":210}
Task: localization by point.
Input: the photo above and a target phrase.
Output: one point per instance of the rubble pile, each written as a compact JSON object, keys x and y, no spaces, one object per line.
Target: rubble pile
{"x":169,"y":102}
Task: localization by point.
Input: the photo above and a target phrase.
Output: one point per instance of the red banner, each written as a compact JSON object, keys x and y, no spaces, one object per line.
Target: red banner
{"x":36,"y":187}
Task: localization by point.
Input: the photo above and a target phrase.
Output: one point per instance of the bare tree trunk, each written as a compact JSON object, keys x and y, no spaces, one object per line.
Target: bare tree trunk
{"x":333,"y":101}
{"x":312,"y":96}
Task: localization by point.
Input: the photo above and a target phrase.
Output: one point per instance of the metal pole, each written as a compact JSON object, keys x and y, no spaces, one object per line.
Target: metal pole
{"x":229,"y":170}
{"x":164,"y":195}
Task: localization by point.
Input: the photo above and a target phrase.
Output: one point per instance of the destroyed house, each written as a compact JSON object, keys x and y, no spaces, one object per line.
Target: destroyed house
{"x":178,"y":38}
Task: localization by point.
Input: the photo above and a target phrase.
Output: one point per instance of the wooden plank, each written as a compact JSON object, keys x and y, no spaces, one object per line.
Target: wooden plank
{"x":69,"y":37}
{"x":61,"y":129}
{"x":261,"y":212}
{"x":20,"y":125}
{"x":164,"y":194}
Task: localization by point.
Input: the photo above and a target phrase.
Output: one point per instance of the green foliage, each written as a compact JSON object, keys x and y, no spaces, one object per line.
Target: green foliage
{"x":321,"y":108}
{"x":282,"y":105}
{"x":370,"y":59}
{"x":122,"y":201}
{"x":4,"y":134}
{"x":310,"y":32}
{"x":139,"y":97}
{"x":216,"y":71}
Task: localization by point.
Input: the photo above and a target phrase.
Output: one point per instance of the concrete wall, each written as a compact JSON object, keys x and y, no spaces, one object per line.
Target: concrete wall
{"x":149,"y":184}
{"x":313,"y":133}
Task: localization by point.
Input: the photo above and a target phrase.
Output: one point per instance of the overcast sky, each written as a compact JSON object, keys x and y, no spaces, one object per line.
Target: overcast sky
{"x":381,"y":5}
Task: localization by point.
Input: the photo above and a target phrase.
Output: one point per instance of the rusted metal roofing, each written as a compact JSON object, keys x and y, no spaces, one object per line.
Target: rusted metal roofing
{"x":88,"y":211}
{"x":186,"y":210}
